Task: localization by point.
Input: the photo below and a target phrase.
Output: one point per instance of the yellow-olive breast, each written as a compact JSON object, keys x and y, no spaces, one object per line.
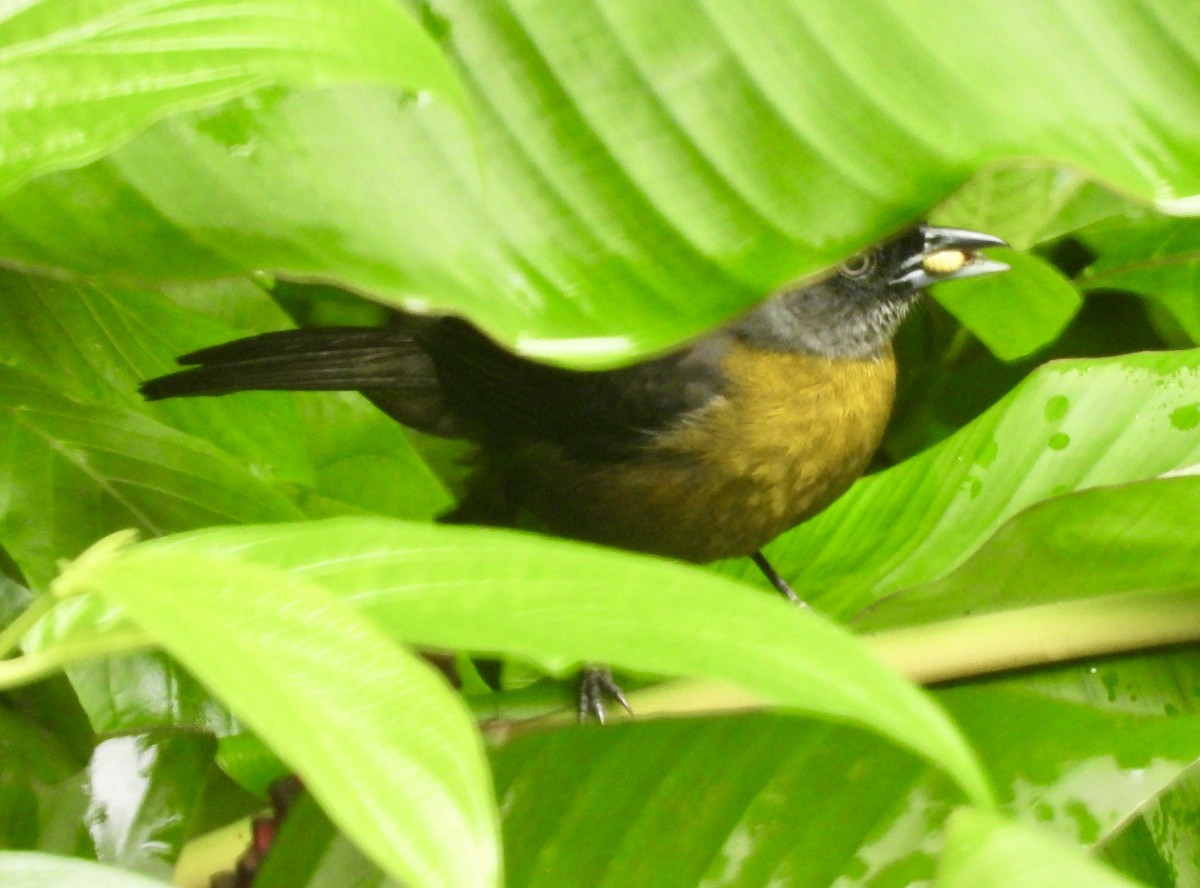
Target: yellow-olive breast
{"x":787,"y":436}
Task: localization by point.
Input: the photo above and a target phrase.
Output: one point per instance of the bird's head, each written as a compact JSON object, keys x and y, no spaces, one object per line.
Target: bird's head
{"x":855,"y":311}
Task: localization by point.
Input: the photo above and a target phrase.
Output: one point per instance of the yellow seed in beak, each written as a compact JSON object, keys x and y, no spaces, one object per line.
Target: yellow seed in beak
{"x":945,"y":262}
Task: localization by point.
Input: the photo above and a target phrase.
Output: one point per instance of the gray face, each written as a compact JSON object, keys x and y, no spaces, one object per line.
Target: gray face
{"x":854,"y":313}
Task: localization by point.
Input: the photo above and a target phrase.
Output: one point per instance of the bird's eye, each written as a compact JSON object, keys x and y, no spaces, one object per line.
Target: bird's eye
{"x":858,"y":265}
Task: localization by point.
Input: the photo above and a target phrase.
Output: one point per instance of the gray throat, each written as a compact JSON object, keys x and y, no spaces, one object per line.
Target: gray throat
{"x":818,"y":321}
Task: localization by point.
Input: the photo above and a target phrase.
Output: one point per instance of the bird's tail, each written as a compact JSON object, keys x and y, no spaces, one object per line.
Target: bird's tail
{"x":386,"y":364}
{"x":315,"y":359}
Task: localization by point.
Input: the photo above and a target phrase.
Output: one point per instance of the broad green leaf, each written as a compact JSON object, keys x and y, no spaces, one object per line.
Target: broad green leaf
{"x":43,"y":795}
{"x":373,"y":731}
{"x":1154,"y":682}
{"x":71,"y":472}
{"x":250,"y":763}
{"x":145,"y":692}
{"x":143,"y":791}
{"x":1158,"y":845}
{"x":1028,"y":203}
{"x":750,"y":787}
{"x":559,"y":604}
{"x":96,"y":344}
{"x":364,"y":459}
{"x":1071,"y":425}
{"x":771,"y":799}
{"x":93,"y":72}
{"x":25,"y":869}
{"x":240,"y":303}
{"x":1079,"y":769}
{"x":310,"y":853}
{"x":648,"y":170}
{"x":1157,"y":258}
{"x":590,"y":807}
{"x":1137,"y":540}
{"x":1016,"y":313}
{"x":985,"y":851}
{"x":747,"y":801}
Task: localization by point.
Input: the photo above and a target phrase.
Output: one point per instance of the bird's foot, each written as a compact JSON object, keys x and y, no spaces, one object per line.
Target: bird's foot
{"x":596,"y":683}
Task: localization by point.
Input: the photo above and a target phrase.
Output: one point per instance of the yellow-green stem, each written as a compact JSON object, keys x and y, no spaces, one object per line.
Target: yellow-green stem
{"x":37,"y":665}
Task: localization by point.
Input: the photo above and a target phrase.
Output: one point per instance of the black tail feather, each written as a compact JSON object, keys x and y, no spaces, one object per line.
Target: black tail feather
{"x":316,"y":359}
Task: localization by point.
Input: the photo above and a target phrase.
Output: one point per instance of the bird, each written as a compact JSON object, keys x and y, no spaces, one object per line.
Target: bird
{"x":706,"y":452}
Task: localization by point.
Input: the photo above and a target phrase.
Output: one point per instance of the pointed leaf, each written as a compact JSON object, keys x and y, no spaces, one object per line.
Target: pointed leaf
{"x":648,"y":170}
{"x":559,"y":604}
{"x":377,"y":737}
{"x":1072,"y":425}
{"x":80,"y":95}
{"x":70,"y":472}
{"x":985,"y":851}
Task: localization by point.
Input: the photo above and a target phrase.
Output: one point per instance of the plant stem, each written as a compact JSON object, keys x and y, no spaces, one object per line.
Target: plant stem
{"x":950,"y":649}
{"x":1032,"y":636}
{"x":39,"y":664}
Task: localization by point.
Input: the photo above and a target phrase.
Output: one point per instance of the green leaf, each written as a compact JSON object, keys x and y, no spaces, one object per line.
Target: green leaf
{"x":364,"y":459}
{"x":648,"y":171}
{"x":43,"y":796}
{"x":1157,"y":845}
{"x":143,"y":792}
{"x":93,"y":73}
{"x":1157,"y":258}
{"x":104,"y":469}
{"x":376,"y":735}
{"x":144,"y":692}
{"x":753,"y":800}
{"x":1154,"y":682}
{"x":23,"y":869}
{"x":1086,"y":768}
{"x":250,"y":763}
{"x":310,"y":853}
{"x":560,"y":604}
{"x":1134,"y":539}
{"x":1072,"y":425}
{"x":97,"y":343}
{"x":586,"y":807}
{"x":1028,"y":203}
{"x":1016,"y":313}
{"x":591,"y":807}
{"x":133,"y":693}
{"x":1092,"y":573}
{"x":983,"y":850}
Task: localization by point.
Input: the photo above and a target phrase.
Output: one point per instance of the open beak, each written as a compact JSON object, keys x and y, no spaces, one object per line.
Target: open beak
{"x":950,"y":254}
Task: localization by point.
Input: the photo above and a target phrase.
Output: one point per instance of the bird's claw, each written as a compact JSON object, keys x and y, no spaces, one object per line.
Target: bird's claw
{"x":596,"y":683}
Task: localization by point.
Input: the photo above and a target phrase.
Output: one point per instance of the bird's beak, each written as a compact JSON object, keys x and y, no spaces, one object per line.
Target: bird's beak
{"x":949,"y":254}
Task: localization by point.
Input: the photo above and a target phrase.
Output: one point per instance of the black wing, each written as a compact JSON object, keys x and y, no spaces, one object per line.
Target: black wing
{"x":445,"y":376}
{"x":592,"y":414}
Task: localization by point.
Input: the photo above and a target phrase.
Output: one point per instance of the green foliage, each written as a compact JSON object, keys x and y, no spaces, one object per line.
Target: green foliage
{"x":591,"y":182}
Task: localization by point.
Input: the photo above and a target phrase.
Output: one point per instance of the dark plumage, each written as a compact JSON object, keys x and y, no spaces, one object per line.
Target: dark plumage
{"x":706,"y":452}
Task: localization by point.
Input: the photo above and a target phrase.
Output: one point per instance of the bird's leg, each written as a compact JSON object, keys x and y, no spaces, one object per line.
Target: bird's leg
{"x":595,"y":683}
{"x":776,"y":580}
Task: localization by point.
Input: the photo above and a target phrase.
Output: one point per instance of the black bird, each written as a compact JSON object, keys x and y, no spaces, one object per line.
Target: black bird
{"x":707,"y":452}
